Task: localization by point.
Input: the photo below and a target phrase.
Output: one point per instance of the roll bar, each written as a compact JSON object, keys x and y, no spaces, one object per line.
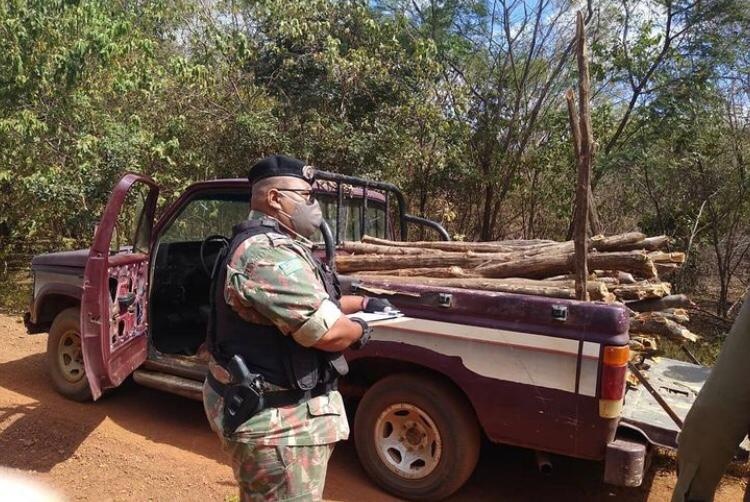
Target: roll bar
{"x":390,"y":190}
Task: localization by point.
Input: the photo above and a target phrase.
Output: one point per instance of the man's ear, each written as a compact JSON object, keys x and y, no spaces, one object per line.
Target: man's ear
{"x":272,"y":198}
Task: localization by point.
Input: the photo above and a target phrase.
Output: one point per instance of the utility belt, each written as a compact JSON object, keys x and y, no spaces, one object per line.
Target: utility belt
{"x":246,"y":394}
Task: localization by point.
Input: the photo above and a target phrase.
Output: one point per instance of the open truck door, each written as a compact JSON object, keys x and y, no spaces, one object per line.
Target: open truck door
{"x":114,"y":321}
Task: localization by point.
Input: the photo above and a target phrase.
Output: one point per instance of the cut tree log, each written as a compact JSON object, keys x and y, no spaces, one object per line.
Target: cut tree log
{"x":662,"y":257}
{"x":422,"y":272}
{"x":642,"y":290}
{"x":611,"y":282}
{"x":666,"y":267}
{"x":547,"y":266}
{"x":360,"y":262}
{"x":567,"y":247}
{"x":668,"y":302}
{"x":663,"y":327}
{"x":555,"y":289}
{"x":366,"y":248}
{"x":656,"y":243}
{"x":608,"y":280}
{"x":630,"y":241}
{"x":616,"y":242}
{"x":458,"y":246}
{"x":356,"y":263}
{"x":678,"y":317}
{"x":642,"y":344}
{"x":622,"y":277}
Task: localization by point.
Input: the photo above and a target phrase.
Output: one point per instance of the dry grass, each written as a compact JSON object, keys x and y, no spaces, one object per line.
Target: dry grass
{"x":15,"y":291}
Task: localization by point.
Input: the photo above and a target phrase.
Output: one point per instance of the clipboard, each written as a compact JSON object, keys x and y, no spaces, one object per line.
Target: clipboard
{"x":376,"y":316}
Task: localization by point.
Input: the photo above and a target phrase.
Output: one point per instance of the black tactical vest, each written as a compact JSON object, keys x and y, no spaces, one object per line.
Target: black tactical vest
{"x":264,"y":348}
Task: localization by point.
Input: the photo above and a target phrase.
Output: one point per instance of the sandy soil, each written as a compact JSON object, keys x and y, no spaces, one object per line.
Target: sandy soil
{"x":140,"y":444}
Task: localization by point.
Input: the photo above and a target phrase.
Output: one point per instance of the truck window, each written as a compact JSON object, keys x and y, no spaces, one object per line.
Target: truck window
{"x":351,"y":217}
{"x":132,"y":231}
{"x":207,"y":215}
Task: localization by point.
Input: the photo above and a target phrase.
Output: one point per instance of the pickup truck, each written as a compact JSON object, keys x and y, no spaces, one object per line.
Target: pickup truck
{"x":460,"y":366}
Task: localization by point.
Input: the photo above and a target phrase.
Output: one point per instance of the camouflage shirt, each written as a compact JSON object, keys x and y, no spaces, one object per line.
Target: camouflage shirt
{"x":273,"y":279}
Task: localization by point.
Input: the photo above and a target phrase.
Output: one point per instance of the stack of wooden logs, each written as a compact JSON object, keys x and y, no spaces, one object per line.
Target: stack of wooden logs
{"x":626,"y":268}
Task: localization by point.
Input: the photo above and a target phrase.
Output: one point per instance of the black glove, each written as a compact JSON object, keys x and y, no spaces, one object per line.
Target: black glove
{"x":372,"y":305}
{"x":366,"y":331}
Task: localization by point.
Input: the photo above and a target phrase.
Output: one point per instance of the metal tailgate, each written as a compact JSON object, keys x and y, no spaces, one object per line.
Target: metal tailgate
{"x":678,"y":383}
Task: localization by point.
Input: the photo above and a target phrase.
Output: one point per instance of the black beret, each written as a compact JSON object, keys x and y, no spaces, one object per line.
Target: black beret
{"x":281,"y":165}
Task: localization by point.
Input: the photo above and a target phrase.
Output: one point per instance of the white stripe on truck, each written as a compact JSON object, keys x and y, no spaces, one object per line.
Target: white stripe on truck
{"x":525,"y":358}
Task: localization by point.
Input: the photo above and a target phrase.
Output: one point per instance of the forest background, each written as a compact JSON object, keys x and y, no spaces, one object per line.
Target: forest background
{"x":459,"y":102}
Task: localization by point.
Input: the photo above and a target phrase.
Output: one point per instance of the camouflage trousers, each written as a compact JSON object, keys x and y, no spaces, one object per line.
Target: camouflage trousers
{"x":281,"y":453}
{"x":279,"y":472}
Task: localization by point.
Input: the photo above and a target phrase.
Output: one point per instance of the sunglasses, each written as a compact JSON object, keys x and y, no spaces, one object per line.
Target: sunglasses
{"x":307,"y":194}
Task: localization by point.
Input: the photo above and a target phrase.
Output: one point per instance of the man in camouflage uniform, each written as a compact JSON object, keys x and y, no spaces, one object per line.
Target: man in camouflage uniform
{"x":281,"y":453}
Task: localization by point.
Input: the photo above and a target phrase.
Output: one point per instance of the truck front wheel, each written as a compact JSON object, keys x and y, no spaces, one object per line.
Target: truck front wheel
{"x":65,"y":358}
{"x":416,"y":437}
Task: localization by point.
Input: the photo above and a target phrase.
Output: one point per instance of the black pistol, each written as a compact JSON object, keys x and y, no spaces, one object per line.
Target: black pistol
{"x":243,"y":397}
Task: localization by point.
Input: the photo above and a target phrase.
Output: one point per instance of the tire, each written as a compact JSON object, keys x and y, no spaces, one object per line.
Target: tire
{"x":64,"y":356}
{"x":432,"y":418}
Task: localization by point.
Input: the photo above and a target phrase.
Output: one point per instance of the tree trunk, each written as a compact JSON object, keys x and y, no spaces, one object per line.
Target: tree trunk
{"x":642,"y":291}
{"x":654,"y":325}
{"x":422,"y":272}
{"x":548,"y":266}
{"x":668,"y":302}
{"x":595,"y":224}
{"x":649,"y":244}
{"x":618,"y":242}
{"x":676,"y":315}
{"x":489,"y":195}
{"x":662,"y":257}
{"x":366,"y":248}
{"x":356,"y":263}
{"x":555,"y":289}
{"x":479,"y":247}
{"x":622,"y":277}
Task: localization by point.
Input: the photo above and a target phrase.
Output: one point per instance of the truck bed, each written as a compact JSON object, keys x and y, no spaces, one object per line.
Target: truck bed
{"x":528,"y":365}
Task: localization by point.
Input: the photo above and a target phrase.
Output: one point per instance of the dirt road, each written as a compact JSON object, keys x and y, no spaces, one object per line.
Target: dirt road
{"x":139,"y":444}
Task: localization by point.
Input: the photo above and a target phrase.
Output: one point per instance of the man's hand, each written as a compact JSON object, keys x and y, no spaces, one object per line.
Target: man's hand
{"x":372,"y":305}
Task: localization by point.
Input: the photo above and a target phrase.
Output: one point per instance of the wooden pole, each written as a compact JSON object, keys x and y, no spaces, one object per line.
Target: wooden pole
{"x":584,"y":163}
{"x":595,"y":225}
{"x":575,"y":130}
{"x":575,"y":136}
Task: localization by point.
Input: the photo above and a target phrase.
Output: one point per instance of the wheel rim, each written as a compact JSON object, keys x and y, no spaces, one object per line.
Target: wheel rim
{"x":70,"y":356}
{"x":407,"y":441}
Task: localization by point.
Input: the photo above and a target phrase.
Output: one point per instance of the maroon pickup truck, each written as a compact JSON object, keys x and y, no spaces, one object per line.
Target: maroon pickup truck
{"x":459,"y":366}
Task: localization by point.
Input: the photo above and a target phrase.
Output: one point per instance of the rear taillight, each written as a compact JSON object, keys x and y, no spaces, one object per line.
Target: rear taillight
{"x":612,"y":387}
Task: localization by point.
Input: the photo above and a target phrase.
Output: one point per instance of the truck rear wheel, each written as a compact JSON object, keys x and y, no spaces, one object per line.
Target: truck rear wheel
{"x":65,"y":357}
{"x":416,"y":437}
